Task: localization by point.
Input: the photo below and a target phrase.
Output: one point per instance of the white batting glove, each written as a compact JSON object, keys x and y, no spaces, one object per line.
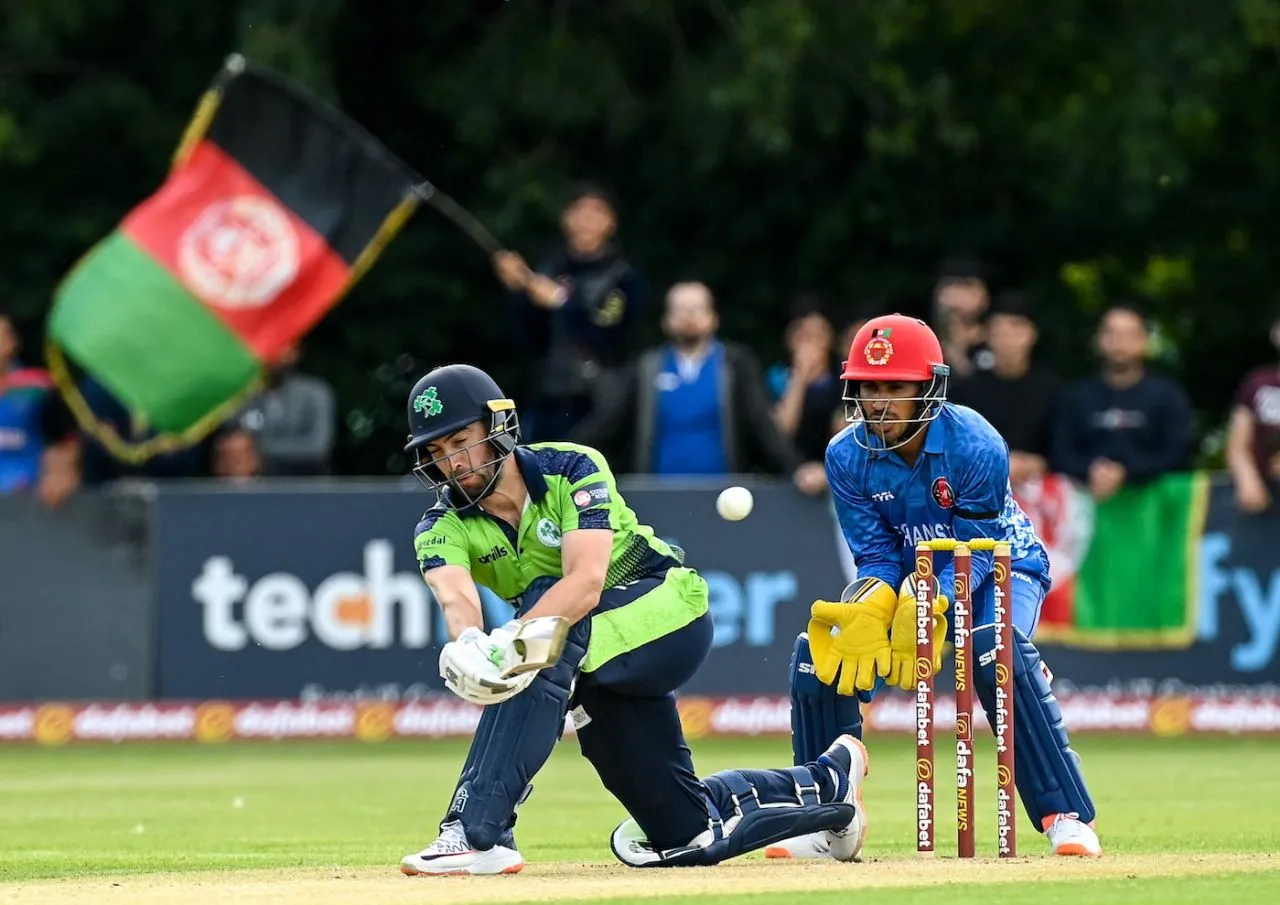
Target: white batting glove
{"x":470,"y":668}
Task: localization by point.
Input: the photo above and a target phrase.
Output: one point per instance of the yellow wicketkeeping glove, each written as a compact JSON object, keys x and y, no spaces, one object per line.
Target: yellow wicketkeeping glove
{"x":902,"y":663}
{"x":851,"y":637}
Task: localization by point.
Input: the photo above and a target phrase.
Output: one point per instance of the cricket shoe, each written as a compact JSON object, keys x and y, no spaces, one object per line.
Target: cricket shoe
{"x":810,"y":845}
{"x":452,"y":855}
{"x":1071,"y":836}
{"x":849,"y":756}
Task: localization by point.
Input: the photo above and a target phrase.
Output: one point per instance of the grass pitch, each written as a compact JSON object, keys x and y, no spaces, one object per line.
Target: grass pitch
{"x":1182,"y":820}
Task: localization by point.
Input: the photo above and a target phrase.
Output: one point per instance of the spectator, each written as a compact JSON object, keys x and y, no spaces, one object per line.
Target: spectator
{"x":806,"y":390}
{"x":235,"y":456}
{"x":960,"y":300}
{"x":695,"y":405}
{"x":293,"y":421}
{"x":38,"y":451}
{"x":1125,"y":426}
{"x":1017,"y":397}
{"x":99,"y":466}
{"x":1253,"y":441}
{"x":582,"y":307}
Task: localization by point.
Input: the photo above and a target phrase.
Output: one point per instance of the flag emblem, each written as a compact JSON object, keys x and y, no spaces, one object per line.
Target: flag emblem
{"x":878,"y":350}
{"x":275,"y":205}
{"x":239,"y":253}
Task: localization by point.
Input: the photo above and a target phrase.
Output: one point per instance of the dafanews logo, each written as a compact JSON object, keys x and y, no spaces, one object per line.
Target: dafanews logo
{"x":380,"y":609}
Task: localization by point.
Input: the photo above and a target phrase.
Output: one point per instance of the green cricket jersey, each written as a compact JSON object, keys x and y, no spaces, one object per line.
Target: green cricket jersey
{"x":570,"y":487}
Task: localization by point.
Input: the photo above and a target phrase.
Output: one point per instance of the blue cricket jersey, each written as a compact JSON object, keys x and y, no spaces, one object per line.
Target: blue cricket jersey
{"x":958,"y":487}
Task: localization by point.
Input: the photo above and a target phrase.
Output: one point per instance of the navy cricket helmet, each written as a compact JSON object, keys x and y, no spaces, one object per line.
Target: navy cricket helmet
{"x":446,"y":400}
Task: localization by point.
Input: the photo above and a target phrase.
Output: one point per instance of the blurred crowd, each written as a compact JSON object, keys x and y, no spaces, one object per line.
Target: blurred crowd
{"x":698,"y":403}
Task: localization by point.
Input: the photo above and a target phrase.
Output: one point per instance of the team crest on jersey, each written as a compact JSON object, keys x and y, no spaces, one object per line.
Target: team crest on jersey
{"x":548,"y":533}
{"x":942,"y":494}
{"x":878,"y":349}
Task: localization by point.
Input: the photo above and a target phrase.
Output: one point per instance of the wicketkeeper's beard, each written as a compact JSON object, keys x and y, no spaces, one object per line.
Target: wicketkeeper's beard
{"x":897,"y":426}
{"x":886,"y":432}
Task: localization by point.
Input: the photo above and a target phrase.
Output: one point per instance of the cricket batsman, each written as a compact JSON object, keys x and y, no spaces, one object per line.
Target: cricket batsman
{"x":608,"y":623}
{"x":912,"y":467}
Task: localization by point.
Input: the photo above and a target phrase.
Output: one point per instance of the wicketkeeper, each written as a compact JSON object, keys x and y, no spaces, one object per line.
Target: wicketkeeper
{"x":912,"y":467}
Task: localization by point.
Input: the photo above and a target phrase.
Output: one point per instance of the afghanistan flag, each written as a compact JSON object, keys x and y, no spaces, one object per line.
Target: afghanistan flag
{"x":274,"y":207}
{"x":1125,"y":571}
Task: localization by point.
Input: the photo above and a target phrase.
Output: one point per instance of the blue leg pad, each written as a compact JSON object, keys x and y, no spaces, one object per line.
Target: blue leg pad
{"x":818,"y":715}
{"x":1047,"y":770}
{"x":749,"y":810}
{"x":512,"y":742}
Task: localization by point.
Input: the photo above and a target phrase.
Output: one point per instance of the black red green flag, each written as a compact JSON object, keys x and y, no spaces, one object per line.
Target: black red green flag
{"x":275,"y":205}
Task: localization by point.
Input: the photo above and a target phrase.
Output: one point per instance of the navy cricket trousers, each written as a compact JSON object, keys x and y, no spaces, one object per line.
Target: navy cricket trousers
{"x":628,"y":727}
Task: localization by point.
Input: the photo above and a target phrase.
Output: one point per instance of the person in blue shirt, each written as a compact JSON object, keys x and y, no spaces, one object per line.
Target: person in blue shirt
{"x":911,"y":467}
{"x":37,"y":447}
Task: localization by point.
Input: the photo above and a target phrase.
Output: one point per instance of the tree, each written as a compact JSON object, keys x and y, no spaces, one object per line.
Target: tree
{"x":1088,"y":149}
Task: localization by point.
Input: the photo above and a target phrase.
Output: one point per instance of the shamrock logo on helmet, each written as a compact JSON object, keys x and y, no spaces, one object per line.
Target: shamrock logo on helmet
{"x":427,"y":403}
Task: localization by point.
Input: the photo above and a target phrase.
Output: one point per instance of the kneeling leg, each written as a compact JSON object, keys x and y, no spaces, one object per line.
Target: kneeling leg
{"x":638,"y":748}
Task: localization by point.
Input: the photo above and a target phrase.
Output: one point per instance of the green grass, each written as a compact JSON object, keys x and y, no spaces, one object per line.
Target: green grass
{"x":1202,"y":890}
{"x":128,"y":809}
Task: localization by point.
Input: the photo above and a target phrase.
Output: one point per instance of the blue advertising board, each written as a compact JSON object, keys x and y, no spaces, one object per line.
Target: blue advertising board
{"x":315,"y":592}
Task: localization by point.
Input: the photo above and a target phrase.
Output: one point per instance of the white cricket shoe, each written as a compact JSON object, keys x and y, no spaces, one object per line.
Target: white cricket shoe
{"x":842,"y":845}
{"x":846,"y":844}
{"x":812,"y":845}
{"x":451,"y":855}
{"x":1071,"y":836}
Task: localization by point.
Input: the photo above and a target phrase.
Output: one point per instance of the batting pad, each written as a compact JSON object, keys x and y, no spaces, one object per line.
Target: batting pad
{"x":1047,"y":771}
{"x":818,"y":715}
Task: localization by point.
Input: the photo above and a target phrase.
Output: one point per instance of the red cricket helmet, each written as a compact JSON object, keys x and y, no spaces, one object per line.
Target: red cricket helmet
{"x":895,"y":347}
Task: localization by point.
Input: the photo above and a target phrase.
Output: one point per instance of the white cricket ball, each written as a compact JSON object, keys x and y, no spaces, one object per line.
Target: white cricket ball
{"x":734,"y":503}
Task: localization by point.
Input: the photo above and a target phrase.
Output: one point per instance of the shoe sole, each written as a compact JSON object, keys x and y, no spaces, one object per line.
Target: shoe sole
{"x":515,"y":867}
{"x":866,"y":769}
{"x":1075,"y":850}
{"x":414,"y":872}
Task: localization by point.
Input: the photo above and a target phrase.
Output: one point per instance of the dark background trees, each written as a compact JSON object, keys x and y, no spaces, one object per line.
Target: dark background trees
{"x":1089,"y":149}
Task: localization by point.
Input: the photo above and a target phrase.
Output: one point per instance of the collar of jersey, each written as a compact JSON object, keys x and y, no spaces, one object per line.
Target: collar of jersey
{"x":534,"y":481}
{"x":935,"y":438}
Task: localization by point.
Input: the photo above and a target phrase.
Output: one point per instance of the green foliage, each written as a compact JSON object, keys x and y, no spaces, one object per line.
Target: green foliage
{"x":1091,"y":150}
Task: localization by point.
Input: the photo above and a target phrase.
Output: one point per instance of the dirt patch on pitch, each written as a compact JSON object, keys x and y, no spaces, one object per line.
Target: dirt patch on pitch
{"x":594,"y":882}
